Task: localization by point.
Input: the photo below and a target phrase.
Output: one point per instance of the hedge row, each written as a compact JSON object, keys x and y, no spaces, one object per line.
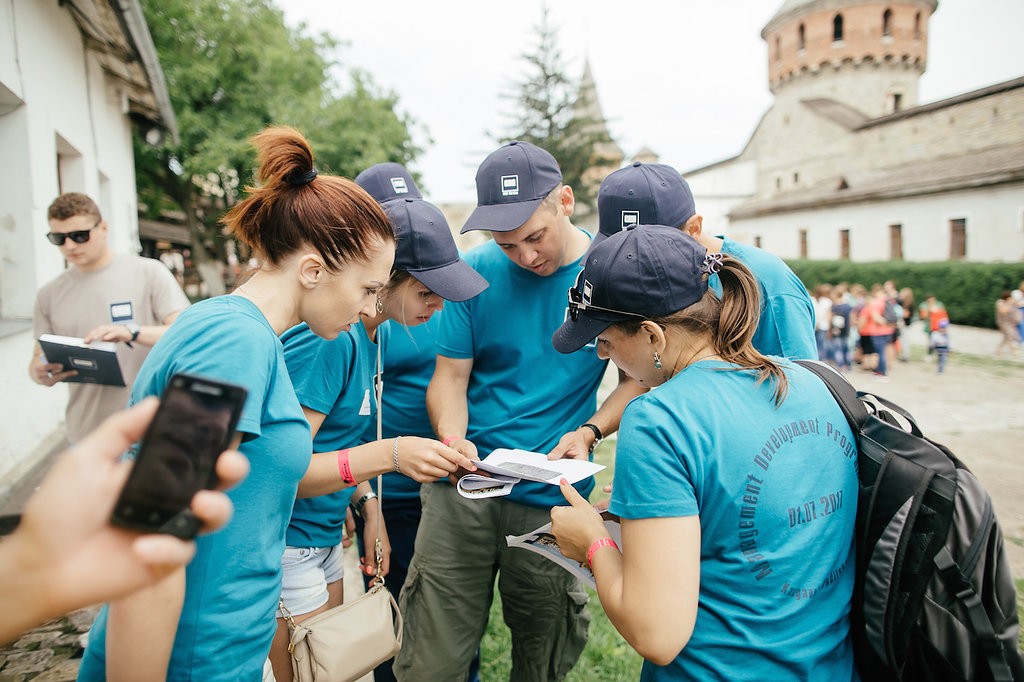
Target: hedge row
{"x":969,"y":290}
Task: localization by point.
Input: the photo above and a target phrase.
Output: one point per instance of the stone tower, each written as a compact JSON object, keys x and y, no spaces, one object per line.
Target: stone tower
{"x":866,"y":54}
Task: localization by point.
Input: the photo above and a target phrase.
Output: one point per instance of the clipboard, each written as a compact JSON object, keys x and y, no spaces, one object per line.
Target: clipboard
{"x":96,"y":363}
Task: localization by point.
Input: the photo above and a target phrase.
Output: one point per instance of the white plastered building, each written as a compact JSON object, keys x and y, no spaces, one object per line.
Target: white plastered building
{"x":78,"y":79}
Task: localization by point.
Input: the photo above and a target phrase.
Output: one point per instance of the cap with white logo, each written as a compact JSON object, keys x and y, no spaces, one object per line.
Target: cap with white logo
{"x":387,"y":181}
{"x":642,"y":194}
{"x":510,"y":184}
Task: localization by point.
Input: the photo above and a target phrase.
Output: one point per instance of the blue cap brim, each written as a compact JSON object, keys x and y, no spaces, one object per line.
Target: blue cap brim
{"x":456,"y":281}
{"x":501,"y":217}
{"x":574,"y":334}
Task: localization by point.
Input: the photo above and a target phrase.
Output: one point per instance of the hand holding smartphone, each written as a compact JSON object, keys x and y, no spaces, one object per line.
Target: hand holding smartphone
{"x":176,"y":457}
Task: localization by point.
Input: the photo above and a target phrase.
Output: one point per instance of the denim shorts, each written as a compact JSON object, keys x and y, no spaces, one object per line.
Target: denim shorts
{"x":306,"y":573}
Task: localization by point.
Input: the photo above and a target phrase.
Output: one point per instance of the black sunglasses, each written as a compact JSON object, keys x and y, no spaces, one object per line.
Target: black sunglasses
{"x":78,"y":236}
{"x":576,"y":304}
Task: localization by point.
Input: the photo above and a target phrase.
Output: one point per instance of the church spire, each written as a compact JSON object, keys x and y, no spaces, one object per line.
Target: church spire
{"x":588,"y":108}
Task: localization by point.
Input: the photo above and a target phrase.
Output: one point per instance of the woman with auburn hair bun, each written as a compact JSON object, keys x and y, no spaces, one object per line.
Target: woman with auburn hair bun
{"x":326,"y":248}
{"x":335,"y":383}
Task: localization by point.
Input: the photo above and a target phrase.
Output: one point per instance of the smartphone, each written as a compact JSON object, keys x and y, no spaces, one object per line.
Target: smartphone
{"x":176,"y":457}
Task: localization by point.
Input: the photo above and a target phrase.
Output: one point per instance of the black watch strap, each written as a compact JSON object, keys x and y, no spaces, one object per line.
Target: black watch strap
{"x":598,"y":436}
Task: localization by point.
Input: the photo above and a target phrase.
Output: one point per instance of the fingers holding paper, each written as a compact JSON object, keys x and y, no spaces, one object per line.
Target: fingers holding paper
{"x":573,"y":445}
{"x":467,"y":448}
{"x":576,"y":526}
{"x":427,"y":460}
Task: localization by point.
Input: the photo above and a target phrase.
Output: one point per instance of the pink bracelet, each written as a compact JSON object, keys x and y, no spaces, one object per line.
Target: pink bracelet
{"x":598,"y":544}
{"x":344,"y":469}
{"x":448,"y":440}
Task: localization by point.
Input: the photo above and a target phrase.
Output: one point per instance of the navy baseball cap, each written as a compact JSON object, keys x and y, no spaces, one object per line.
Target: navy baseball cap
{"x":642,"y":194}
{"x":510,"y":184}
{"x":426,"y":250}
{"x":387,"y":181}
{"x":635,"y":274}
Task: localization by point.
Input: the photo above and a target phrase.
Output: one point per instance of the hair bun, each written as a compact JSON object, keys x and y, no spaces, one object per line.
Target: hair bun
{"x":284,"y":157}
{"x":303,"y":179}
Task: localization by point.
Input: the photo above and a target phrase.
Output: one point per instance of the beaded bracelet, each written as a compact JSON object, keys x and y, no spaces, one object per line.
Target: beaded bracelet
{"x":596,"y":545}
{"x":344,"y":469}
{"x":394,"y":454}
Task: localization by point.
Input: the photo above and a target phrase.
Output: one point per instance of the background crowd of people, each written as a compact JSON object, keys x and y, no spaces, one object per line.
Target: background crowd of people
{"x":873,"y":328}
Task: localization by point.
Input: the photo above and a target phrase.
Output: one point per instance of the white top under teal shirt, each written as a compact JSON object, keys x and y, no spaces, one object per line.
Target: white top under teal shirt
{"x":786,"y":326}
{"x":334,"y":378}
{"x":522,"y":392}
{"x":776,"y":493}
{"x":234,"y":581}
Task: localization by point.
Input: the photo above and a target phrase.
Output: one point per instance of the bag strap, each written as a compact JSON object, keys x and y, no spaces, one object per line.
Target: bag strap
{"x":378,"y":392}
{"x":842,"y":390}
{"x":979,"y":621}
{"x":293,"y":628}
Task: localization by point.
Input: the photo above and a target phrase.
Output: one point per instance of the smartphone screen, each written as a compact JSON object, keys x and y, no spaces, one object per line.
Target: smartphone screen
{"x":195,"y":422}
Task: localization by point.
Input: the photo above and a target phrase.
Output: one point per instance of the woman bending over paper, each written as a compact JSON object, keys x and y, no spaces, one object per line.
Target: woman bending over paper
{"x":736,"y":499}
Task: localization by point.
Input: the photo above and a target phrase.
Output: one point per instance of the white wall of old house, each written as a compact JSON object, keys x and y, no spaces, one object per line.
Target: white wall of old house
{"x":795,"y":149}
{"x":63,"y":127}
{"x":994,"y":222}
{"x":717,"y":189}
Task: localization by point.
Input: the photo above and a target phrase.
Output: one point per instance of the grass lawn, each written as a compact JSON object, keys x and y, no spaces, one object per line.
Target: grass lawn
{"x":607,"y":657}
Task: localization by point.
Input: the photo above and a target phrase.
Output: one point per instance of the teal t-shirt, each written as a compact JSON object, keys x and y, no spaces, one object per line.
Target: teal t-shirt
{"x":233,"y":583}
{"x":776,"y":493}
{"x":522,"y":392}
{"x":334,"y":378}
{"x":408,"y":356}
{"x":786,"y":327}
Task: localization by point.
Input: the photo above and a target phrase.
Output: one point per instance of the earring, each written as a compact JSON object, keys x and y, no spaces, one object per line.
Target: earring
{"x":657,"y":360}
{"x":380,"y":305}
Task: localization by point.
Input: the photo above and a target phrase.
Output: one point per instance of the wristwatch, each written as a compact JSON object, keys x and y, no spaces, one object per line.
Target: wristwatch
{"x":134,"y":329}
{"x":357,"y":507}
{"x":598,"y":436}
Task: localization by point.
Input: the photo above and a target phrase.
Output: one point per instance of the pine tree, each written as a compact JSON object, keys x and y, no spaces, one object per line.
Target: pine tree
{"x":546,"y":112}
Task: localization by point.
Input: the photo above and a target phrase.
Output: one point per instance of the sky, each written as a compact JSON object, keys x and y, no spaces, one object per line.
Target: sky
{"x":686,"y":79}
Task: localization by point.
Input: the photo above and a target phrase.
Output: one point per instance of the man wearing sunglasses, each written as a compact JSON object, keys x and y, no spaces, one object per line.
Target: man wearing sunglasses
{"x":102,"y":296}
{"x":499,"y":383}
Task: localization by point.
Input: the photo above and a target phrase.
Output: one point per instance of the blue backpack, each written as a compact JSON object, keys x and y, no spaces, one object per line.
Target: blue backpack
{"x":933,"y":597}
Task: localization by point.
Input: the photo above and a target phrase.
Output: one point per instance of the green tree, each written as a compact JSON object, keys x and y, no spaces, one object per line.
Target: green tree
{"x":233,"y":67}
{"x":547,"y":112}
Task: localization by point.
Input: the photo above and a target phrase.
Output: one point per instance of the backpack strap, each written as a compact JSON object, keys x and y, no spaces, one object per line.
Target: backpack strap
{"x":980,"y":624}
{"x":892,"y":414}
{"x":842,"y":390}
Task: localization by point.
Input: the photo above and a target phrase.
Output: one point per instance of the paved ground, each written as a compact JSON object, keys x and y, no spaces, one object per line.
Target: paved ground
{"x":976,"y":408}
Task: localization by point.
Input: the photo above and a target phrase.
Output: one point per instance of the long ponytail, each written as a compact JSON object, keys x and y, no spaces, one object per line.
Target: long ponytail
{"x":740,"y":312}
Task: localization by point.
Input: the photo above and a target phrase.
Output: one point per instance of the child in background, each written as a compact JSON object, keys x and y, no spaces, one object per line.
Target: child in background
{"x":932,"y":311}
{"x":939,"y":343}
